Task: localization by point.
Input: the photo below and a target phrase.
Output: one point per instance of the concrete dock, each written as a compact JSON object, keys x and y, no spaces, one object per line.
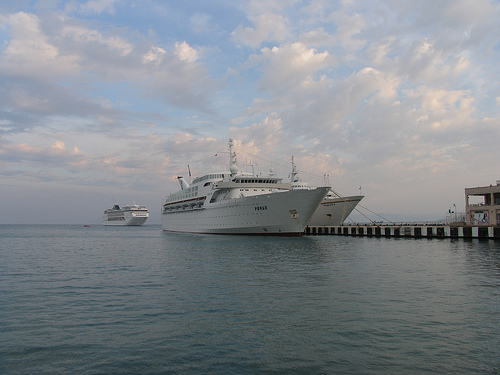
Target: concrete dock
{"x":409,"y":231}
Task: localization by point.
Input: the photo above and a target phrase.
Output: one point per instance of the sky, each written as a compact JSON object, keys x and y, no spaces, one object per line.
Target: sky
{"x":107,"y":101}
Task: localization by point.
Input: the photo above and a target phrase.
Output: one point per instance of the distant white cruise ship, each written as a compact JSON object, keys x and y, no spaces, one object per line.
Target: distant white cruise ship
{"x":333,"y":209}
{"x":129,"y":215}
{"x":232,"y":202}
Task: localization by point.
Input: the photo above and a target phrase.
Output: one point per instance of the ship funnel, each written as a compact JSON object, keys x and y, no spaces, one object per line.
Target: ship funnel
{"x":182,"y":182}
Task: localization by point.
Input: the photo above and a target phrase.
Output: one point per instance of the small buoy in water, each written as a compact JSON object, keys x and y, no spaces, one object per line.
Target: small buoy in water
{"x":86,"y":226}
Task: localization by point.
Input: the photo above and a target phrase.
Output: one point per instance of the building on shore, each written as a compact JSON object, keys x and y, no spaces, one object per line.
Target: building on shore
{"x":487,"y":211}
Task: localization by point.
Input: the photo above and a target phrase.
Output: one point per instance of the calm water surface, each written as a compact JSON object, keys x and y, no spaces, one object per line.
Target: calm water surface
{"x":100,"y":300}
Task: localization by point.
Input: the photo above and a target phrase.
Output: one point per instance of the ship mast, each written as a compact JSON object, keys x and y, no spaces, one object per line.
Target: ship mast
{"x":233,"y":167}
{"x":293,"y":174}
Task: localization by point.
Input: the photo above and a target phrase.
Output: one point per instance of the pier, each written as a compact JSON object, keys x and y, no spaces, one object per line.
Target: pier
{"x":409,"y":231}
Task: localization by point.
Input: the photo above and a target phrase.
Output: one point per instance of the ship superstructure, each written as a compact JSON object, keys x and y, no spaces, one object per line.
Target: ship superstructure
{"x":128,"y":215}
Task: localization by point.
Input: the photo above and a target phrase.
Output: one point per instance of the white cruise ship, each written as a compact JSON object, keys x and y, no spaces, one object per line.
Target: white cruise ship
{"x":128,"y":215}
{"x":233,"y":202}
{"x":333,"y":209}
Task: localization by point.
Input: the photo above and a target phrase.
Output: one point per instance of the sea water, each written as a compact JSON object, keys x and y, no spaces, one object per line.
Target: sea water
{"x":137,"y":300}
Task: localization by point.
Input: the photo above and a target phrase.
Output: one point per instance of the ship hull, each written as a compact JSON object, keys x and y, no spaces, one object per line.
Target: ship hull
{"x":333,"y":212}
{"x":279,"y":214}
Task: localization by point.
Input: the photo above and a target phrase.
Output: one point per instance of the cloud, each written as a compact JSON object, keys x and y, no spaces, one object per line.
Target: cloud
{"x":78,"y":37}
{"x":56,"y":154}
{"x":154,"y":55}
{"x":30,"y":53}
{"x":56,"y":162}
{"x":200,"y":22}
{"x":267,"y":28}
{"x":317,"y":38}
{"x":68,"y":49}
{"x":274,"y":149}
{"x":185,"y":52}
{"x":91,"y":7}
{"x":270,"y":132}
{"x":290,"y":67}
{"x":350,"y":26}
{"x":270,"y":23}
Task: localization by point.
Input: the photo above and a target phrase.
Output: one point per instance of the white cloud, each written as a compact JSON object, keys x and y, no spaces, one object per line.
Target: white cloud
{"x":440,"y":103}
{"x":186,"y":53}
{"x":29,"y":52}
{"x":267,"y":28}
{"x":291,"y":67}
{"x":56,"y":154}
{"x":70,"y":49}
{"x":155,"y":55}
{"x":83,"y":36}
{"x":270,"y":132}
{"x":317,"y":38}
{"x":349,"y":30}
